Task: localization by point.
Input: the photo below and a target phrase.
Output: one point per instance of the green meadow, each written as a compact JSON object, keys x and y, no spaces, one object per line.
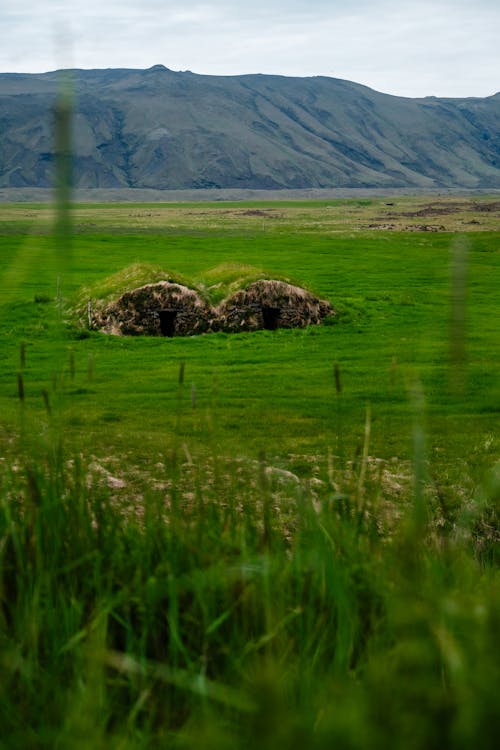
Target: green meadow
{"x":275,"y":539}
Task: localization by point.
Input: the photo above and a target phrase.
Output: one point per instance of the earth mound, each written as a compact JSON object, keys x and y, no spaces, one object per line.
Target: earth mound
{"x":161,"y":309}
{"x":270,"y":304}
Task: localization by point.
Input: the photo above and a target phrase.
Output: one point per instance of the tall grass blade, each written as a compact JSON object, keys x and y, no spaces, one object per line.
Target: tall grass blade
{"x":458,"y":318}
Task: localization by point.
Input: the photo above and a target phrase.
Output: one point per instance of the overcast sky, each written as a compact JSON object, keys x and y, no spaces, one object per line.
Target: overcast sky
{"x":412,"y":48}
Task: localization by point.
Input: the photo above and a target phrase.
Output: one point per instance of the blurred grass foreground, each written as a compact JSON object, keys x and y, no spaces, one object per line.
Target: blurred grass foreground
{"x":237,"y":603}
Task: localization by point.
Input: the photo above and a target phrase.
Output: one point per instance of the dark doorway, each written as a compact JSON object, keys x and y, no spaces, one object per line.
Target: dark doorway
{"x":271,"y":317}
{"x":167,"y":322}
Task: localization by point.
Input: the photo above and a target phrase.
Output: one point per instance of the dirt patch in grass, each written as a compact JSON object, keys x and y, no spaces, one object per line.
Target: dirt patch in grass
{"x":448,"y":216}
{"x":446,"y":208}
{"x":269,"y":214}
{"x":436,"y":209}
{"x":487,"y":207}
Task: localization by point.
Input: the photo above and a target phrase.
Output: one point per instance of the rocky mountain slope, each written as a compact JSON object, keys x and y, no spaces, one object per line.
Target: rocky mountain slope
{"x":158,"y":128}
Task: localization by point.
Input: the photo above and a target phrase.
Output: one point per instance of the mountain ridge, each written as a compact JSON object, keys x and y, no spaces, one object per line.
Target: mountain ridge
{"x":162,"y":129}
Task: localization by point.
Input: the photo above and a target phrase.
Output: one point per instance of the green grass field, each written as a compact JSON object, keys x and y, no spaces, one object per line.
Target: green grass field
{"x":275,"y":539}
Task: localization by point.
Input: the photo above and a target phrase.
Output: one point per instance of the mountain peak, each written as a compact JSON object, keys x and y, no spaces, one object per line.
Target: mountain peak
{"x":158,"y":67}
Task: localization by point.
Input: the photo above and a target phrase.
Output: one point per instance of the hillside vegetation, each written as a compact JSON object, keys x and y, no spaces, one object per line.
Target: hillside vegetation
{"x":158,"y":128}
